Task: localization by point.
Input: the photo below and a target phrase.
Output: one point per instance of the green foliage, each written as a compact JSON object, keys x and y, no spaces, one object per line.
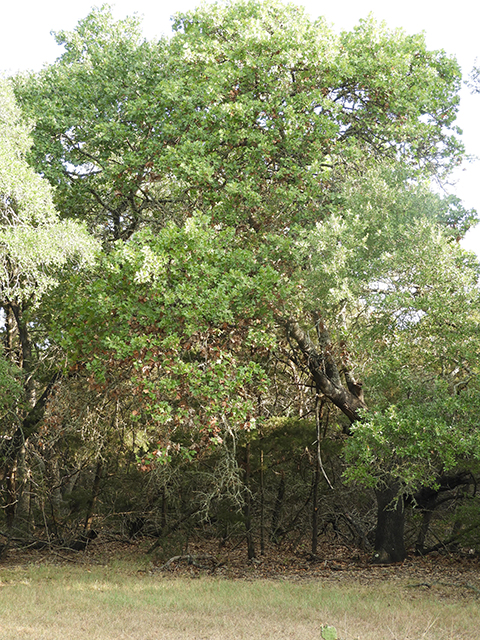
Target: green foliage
{"x":415,"y":442}
{"x":89,"y":139}
{"x":389,"y":235}
{"x":250,"y":112}
{"x":421,"y":326}
{"x":34,"y":248}
{"x":11,"y":385}
{"x":170,"y":317}
{"x":34,"y":244}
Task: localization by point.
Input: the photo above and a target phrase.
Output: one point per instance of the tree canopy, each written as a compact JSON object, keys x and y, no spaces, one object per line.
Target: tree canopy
{"x":250,"y":112}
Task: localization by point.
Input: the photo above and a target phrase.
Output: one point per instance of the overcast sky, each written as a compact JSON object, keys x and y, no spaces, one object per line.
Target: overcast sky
{"x":26,"y":43}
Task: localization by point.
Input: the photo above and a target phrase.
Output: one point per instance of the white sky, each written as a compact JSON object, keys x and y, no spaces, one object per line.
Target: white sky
{"x":26,"y":43}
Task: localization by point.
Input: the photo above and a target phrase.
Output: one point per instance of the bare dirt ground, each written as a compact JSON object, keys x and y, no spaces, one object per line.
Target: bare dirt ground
{"x":445,"y":575}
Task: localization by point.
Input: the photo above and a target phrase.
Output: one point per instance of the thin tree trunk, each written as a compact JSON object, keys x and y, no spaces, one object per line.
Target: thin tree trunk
{"x":262,"y":506}
{"x":163,"y":516}
{"x":23,"y":511}
{"x":316,"y":480}
{"x":278,"y":508}
{"x":93,"y":498}
{"x":422,"y":533}
{"x":10,"y":334}
{"x":11,"y":493}
{"x":247,"y":509}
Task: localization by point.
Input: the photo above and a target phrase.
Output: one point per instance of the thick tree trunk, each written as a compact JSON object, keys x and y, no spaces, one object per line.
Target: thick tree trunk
{"x":389,"y":538}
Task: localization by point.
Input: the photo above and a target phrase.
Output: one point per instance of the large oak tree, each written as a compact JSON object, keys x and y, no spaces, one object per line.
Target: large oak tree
{"x":312,"y":154}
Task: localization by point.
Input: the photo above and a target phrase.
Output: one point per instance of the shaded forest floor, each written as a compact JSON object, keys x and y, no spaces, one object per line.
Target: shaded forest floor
{"x":443,"y":575}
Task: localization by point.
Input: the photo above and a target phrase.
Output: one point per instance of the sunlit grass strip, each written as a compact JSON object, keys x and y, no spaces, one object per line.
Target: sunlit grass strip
{"x":106,"y":603}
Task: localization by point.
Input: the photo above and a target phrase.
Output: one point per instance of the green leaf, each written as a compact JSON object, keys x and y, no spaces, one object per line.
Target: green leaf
{"x":329,"y":633}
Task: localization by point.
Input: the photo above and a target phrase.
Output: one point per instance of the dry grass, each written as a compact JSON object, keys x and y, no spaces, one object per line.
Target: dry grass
{"x":122,"y":601}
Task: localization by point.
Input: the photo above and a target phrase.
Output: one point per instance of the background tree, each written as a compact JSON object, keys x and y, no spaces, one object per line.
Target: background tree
{"x":424,"y":382}
{"x":35,"y":247}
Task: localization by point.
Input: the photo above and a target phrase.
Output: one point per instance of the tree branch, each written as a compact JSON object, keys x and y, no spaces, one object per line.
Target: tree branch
{"x":349,"y":403}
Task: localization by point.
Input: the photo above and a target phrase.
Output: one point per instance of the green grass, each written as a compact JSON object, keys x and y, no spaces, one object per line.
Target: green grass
{"x":119,"y":602}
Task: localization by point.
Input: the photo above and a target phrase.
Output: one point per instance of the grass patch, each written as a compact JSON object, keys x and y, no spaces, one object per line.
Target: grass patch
{"x":119,"y":602}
